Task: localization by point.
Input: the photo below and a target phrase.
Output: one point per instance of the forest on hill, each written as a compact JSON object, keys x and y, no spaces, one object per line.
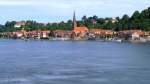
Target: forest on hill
{"x":138,"y":20}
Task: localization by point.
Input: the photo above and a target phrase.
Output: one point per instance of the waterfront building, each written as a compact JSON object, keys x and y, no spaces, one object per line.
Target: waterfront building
{"x":44,"y":34}
{"x":79,"y":31}
{"x":135,"y":36}
{"x":96,"y":31}
{"x":33,"y":34}
{"x":62,"y":33}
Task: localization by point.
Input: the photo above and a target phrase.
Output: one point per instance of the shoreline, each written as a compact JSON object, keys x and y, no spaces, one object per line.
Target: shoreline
{"x":100,"y":40}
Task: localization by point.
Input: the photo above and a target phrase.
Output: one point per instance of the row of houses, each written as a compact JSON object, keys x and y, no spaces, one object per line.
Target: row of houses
{"x":79,"y":32}
{"x":133,"y":34}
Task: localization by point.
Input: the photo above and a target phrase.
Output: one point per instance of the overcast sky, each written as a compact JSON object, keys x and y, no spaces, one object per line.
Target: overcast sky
{"x":58,"y":10}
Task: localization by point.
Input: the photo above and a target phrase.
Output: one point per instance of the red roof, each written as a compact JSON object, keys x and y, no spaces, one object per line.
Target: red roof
{"x":81,"y":30}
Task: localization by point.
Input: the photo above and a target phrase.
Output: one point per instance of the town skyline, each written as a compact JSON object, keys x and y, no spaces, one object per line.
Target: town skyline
{"x":57,"y":11}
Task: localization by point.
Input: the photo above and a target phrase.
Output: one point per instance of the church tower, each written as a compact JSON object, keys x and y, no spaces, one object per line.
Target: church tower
{"x":74,"y":21}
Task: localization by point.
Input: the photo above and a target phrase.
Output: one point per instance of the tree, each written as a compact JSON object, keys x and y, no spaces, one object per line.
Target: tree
{"x":125,"y":19}
{"x":136,"y":15}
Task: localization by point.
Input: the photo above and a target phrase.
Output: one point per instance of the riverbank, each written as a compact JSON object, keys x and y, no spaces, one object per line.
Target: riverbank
{"x":83,"y":40}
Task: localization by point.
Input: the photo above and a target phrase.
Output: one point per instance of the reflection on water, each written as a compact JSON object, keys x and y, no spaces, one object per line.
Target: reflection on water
{"x":58,"y":62}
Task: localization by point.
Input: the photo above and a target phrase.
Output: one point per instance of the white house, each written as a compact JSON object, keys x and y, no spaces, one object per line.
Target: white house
{"x":135,"y":36}
{"x":19,"y":24}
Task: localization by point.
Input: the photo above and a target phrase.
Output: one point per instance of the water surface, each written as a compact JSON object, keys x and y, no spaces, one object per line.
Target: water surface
{"x":85,"y":62}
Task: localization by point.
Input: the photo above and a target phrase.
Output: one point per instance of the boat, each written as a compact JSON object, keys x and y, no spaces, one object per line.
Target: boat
{"x":141,"y":40}
{"x":60,"y":39}
{"x":148,"y":39}
{"x":119,"y":40}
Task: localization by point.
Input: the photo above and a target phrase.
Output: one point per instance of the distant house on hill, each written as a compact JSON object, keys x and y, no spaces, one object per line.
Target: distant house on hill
{"x":111,"y":20}
{"x":19,"y":24}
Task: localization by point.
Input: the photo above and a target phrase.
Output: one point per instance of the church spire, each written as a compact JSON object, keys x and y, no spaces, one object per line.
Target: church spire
{"x":74,"y":21}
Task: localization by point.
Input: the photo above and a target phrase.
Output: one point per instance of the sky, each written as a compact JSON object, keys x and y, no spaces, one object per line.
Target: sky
{"x":62,"y":10}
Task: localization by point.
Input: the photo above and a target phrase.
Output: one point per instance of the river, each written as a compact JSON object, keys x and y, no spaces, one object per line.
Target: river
{"x":68,"y":62}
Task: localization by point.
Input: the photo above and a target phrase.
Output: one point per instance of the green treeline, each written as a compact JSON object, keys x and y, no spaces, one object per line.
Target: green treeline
{"x":139,"y":20}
